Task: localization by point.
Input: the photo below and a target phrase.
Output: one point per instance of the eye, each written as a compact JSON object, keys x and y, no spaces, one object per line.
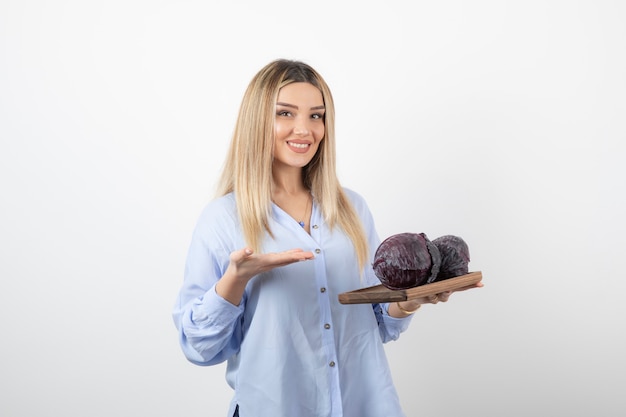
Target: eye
{"x":283,"y":113}
{"x":317,"y":116}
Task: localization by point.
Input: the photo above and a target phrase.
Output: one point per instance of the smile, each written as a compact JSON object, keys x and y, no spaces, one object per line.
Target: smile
{"x":299,"y":145}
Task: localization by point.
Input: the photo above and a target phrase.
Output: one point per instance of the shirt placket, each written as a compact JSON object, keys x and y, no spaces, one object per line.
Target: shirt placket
{"x":328,"y":338}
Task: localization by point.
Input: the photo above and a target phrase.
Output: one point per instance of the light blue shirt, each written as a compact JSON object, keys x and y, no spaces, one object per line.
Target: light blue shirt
{"x":292,"y":349}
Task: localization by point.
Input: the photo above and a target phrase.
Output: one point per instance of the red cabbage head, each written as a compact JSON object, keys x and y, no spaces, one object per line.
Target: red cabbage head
{"x":455,"y":256}
{"x":406,"y":260}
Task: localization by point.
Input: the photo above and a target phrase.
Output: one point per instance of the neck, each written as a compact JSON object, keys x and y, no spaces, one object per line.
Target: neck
{"x":295,"y":200}
{"x":288,"y":183}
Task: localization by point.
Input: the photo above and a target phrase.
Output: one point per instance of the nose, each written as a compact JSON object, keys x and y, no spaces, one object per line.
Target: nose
{"x":301,"y":131}
{"x":301,"y":128}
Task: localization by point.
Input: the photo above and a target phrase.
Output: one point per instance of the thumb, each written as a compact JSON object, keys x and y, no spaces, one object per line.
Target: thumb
{"x":240,"y":255}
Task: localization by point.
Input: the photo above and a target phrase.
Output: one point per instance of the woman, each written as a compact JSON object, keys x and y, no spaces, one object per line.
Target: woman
{"x":269,"y":257}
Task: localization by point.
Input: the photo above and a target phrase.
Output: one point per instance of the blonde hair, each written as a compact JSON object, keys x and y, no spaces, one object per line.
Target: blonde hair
{"x":248,"y":167}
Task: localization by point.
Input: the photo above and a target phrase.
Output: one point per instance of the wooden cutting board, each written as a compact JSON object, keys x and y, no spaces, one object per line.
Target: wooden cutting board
{"x":382,"y":294}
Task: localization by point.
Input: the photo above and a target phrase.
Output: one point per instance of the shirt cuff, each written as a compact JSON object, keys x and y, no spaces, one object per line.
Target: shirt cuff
{"x":400,"y":322}
{"x":218,"y":310}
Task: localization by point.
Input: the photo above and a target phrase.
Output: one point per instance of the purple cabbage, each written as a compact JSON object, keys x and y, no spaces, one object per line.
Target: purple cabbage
{"x":455,"y":256}
{"x":406,"y":260}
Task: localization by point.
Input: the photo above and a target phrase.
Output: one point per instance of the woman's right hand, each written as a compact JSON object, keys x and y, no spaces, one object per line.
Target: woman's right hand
{"x":245,"y":264}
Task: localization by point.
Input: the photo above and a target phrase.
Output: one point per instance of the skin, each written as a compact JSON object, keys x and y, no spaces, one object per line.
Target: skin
{"x":299,"y":130}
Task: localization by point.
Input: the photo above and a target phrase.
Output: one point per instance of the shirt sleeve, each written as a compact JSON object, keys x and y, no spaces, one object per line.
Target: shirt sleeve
{"x":390,"y":327}
{"x":209,"y":327}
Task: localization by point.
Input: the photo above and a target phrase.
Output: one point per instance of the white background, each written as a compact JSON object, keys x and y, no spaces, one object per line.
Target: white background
{"x":499,"y":121}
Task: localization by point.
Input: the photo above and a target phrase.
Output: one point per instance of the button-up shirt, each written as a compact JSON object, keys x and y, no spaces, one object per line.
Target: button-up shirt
{"x":292,"y":348}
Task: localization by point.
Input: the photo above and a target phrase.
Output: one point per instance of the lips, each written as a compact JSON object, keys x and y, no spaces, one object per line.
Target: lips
{"x":299,"y":146}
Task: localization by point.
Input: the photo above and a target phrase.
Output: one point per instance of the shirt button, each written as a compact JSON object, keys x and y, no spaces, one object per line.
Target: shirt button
{"x":323,"y":289}
{"x":314,"y":226}
{"x":331,"y":364}
{"x":318,"y":251}
{"x":327,"y":326}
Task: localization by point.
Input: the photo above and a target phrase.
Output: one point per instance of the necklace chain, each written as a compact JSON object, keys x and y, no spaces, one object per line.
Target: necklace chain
{"x":306,"y":210}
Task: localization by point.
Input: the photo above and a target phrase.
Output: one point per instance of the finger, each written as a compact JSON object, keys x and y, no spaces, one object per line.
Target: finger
{"x":288,"y":257}
{"x":444,"y":296}
{"x":300,"y":254}
{"x":240,"y":255}
{"x":295,"y":250}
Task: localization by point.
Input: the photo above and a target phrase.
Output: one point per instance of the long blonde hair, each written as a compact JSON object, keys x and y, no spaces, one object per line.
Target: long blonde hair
{"x":248,"y":167}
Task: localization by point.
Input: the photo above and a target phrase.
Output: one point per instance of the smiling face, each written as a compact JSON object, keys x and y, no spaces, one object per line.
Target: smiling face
{"x":299,"y":125}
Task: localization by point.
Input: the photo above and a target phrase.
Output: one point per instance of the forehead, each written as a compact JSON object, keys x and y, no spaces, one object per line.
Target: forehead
{"x":304,"y":93}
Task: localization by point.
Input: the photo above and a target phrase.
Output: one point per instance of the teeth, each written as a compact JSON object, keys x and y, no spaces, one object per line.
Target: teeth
{"x":299,"y":145}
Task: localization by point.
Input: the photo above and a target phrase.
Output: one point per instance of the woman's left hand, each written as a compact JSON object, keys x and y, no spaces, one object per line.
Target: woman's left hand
{"x":416,"y":303}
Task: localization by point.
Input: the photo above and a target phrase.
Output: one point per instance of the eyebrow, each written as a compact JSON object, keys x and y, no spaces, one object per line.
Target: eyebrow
{"x":296,"y":107}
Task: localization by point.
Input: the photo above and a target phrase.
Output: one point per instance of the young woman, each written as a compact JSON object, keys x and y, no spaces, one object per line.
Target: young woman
{"x":271,"y":253}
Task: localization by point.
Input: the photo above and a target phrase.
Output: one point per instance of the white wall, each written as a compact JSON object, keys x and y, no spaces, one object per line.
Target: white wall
{"x":501,"y":122}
